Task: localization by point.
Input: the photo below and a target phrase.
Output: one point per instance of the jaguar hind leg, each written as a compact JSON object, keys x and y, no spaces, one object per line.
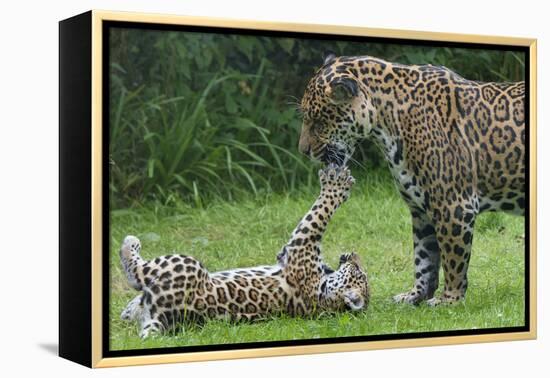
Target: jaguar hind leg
{"x":133,"y":309}
{"x":455,"y":238}
{"x":150,"y":323}
{"x":150,"y":328}
{"x":426,"y":261}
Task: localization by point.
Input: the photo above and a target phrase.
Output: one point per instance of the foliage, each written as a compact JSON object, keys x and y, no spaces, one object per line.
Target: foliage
{"x":207,"y":115}
{"x":374,"y":222}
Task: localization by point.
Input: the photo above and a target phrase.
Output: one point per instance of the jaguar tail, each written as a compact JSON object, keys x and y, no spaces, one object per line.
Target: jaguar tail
{"x":132,"y":262}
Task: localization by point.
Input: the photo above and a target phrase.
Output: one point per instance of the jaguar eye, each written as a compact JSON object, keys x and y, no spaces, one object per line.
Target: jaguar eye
{"x":317,"y":126}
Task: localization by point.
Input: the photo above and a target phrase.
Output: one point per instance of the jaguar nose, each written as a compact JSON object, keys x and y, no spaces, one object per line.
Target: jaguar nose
{"x":304,"y":145}
{"x":304,"y":149}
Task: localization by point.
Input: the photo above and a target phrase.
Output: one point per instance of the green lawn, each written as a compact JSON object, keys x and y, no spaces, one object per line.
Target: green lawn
{"x":374,"y":222}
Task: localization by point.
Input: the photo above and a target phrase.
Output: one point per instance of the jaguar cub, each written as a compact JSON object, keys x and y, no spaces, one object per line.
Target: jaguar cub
{"x":178,"y":288}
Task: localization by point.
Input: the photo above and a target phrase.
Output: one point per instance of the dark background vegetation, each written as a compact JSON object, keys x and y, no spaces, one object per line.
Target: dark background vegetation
{"x":197,"y":116}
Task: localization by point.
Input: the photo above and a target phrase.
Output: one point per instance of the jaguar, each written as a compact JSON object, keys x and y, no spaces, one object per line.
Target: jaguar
{"x":177,"y":288}
{"x":455,"y":148}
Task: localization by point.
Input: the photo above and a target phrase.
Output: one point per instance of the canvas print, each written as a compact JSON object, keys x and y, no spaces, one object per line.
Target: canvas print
{"x":268,"y":188}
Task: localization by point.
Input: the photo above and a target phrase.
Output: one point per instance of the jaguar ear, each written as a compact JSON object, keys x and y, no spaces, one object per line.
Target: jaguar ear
{"x":354,"y":301}
{"x":342,"y":90}
{"x":355,"y":258}
{"x":343,"y":258}
{"x":327,"y":269}
{"x":282,"y":257}
{"x":351,"y":256}
{"x":329,"y":57}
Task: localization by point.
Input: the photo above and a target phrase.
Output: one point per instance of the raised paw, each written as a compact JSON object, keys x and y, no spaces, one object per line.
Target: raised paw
{"x":336,"y":181}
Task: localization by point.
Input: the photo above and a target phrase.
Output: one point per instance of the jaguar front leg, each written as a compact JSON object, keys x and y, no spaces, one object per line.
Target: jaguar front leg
{"x":336,"y":183}
{"x":426,"y":261}
{"x":301,"y":256}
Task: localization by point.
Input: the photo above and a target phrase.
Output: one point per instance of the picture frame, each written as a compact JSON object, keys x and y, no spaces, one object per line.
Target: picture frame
{"x":84,"y":234}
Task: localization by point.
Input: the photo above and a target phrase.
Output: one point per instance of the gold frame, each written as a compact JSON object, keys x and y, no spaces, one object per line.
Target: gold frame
{"x":97,"y":19}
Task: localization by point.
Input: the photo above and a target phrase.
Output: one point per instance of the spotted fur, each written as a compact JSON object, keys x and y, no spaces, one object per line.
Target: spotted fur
{"x":455,"y":147}
{"x":177,"y":288}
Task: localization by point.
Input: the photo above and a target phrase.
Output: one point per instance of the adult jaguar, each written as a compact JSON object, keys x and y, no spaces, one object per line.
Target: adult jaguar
{"x":177,"y":288}
{"x":455,"y":148}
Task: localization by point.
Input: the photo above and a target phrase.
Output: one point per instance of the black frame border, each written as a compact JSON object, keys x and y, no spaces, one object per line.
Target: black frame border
{"x":75,"y":180}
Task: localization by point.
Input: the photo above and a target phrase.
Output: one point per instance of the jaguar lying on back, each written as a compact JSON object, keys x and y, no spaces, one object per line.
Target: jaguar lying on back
{"x":455,"y":148}
{"x":178,"y":288}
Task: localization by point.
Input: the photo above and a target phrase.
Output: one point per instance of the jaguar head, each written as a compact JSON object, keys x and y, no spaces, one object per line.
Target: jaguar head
{"x":337,"y":112}
{"x":346,"y":288}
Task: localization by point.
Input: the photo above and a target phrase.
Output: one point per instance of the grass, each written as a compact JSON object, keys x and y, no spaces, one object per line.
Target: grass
{"x":374,"y":222}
